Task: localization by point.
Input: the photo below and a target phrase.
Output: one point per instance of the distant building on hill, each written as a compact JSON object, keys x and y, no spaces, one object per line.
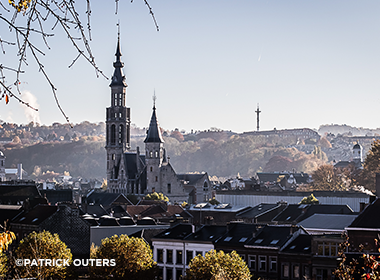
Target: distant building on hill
{"x":300,"y":133}
{"x":8,"y":174}
{"x":357,"y":158}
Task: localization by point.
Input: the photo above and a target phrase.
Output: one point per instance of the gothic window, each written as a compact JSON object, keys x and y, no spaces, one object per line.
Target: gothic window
{"x":113,"y":157}
{"x":115,"y":100}
{"x":113,"y":134}
{"x":205,"y":187}
{"x":169,"y":188}
{"x":121,"y":132}
{"x":151,"y":154}
{"x":156,"y":154}
{"x":156,"y":179}
{"x":151,"y":169}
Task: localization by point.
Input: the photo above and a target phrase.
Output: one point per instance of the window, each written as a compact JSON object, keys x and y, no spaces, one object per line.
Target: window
{"x":262,"y":263}
{"x":169,"y":188}
{"x":285,"y":270}
{"x":178,"y":274}
{"x":113,"y":156}
{"x":179,"y":257}
{"x":328,"y":249}
{"x":151,"y":154}
{"x":160,"y":273}
{"x":151,"y":169}
{"x":113,"y":134}
{"x":156,"y":179}
{"x":273,"y":264}
{"x":252,"y":262}
{"x":156,"y":154}
{"x":169,"y":256}
{"x":160,"y":255}
{"x":198,"y":253}
{"x":296,"y":271}
{"x":169,"y":273}
{"x":205,"y":187}
{"x":189,"y":257}
{"x":121,"y":132}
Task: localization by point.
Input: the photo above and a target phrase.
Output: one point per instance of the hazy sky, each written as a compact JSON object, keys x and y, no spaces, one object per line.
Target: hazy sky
{"x":306,"y":62}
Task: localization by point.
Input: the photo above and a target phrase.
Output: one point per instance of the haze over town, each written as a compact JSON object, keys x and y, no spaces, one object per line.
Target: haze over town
{"x":306,"y":63}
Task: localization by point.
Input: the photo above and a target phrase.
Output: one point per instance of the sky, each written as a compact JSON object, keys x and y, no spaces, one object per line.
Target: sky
{"x":306,"y":63}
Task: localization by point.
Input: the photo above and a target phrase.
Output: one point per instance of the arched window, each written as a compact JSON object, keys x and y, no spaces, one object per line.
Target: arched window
{"x":113,"y":134}
{"x":205,"y":187}
{"x":156,"y":154}
{"x":121,"y":134}
{"x":151,"y":154}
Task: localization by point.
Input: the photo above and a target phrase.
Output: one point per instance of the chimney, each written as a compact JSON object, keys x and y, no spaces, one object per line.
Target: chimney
{"x":19,"y":171}
{"x":377,"y":183}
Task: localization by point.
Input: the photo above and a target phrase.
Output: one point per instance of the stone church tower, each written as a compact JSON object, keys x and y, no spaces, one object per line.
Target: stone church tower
{"x":154,"y":153}
{"x":2,"y":166}
{"x":117,"y":121}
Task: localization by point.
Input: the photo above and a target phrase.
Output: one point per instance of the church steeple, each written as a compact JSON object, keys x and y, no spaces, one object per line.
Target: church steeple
{"x":118,"y":78}
{"x":154,"y":132}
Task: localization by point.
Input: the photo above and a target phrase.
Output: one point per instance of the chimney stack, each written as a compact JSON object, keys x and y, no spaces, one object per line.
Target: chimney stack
{"x":19,"y":171}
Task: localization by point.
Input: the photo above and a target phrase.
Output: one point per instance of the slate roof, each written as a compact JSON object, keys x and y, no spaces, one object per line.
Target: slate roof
{"x":8,"y":212}
{"x":157,"y":211}
{"x":179,"y":231}
{"x":369,"y":217}
{"x":258,"y":210}
{"x":55,"y":196}
{"x":327,"y":221}
{"x":207,"y":233}
{"x":36,"y":215}
{"x":238,"y":234}
{"x":147,"y":234}
{"x":272,"y":236}
{"x":118,"y":78}
{"x":191,"y":178}
{"x":300,"y":245}
{"x":154,"y":132}
{"x":106,"y":199}
{"x":298,"y":212}
{"x":131,"y":164}
{"x":14,"y":192}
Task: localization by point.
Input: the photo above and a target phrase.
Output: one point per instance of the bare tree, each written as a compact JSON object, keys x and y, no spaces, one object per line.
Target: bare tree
{"x":28,"y":18}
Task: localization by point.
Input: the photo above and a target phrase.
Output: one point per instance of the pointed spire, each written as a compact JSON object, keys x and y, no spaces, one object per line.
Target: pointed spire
{"x":154,"y":132}
{"x":118,"y":78}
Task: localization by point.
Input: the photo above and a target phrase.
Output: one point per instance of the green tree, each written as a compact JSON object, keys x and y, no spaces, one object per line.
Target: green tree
{"x":217,"y":265}
{"x":42,"y":245}
{"x":213,"y":201}
{"x":371,"y":166}
{"x":156,"y":196}
{"x":311,"y":199}
{"x":133,"y":259}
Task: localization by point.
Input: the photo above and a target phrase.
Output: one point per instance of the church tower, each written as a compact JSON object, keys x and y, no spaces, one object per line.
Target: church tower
{"x":2,"y":166}
{"x":154,"y":148}
{"x":357,"y":158}
{"x":117,"y":121}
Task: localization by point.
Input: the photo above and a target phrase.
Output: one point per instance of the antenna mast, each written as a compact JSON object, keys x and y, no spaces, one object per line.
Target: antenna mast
{"x":258,"y":117}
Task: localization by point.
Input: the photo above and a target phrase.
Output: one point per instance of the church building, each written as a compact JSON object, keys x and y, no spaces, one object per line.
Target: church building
{"x":130,"y":172}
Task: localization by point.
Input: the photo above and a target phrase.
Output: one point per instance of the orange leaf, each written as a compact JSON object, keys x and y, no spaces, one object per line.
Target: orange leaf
{"x":6,"y":99}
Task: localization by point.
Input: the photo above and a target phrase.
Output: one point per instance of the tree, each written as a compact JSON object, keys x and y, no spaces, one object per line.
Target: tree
{"x":42,"y":245}
{"x":6,"y":238}
{"x":371,"y":166}
{"x":218,"y":265}
{"x":311,"y":199}
{"x":133,"y":259}
{"x":328,"y":178}
{"x":27,"y":20}
{"x":156,"y":196}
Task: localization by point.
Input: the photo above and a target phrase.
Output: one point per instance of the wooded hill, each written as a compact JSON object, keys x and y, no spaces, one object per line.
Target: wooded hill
{"x":219,"y":153}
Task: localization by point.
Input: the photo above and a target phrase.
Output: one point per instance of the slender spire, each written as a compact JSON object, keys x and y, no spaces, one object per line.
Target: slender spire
{"x":258,"y":117}
{"x":154,"y":132}
{"x":118,"y":78}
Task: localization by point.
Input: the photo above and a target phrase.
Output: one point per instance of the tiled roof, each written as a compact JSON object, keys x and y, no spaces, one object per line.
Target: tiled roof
{"x":191,"y":178}
{"x":106,"y":199}
{"x":8,"y":212}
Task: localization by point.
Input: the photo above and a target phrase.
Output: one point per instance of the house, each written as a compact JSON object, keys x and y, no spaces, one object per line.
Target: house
{"x":18,"y":192}
{"x":174,"y":248}
{"x":327,"y":223}
{"x":365,"y":229}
